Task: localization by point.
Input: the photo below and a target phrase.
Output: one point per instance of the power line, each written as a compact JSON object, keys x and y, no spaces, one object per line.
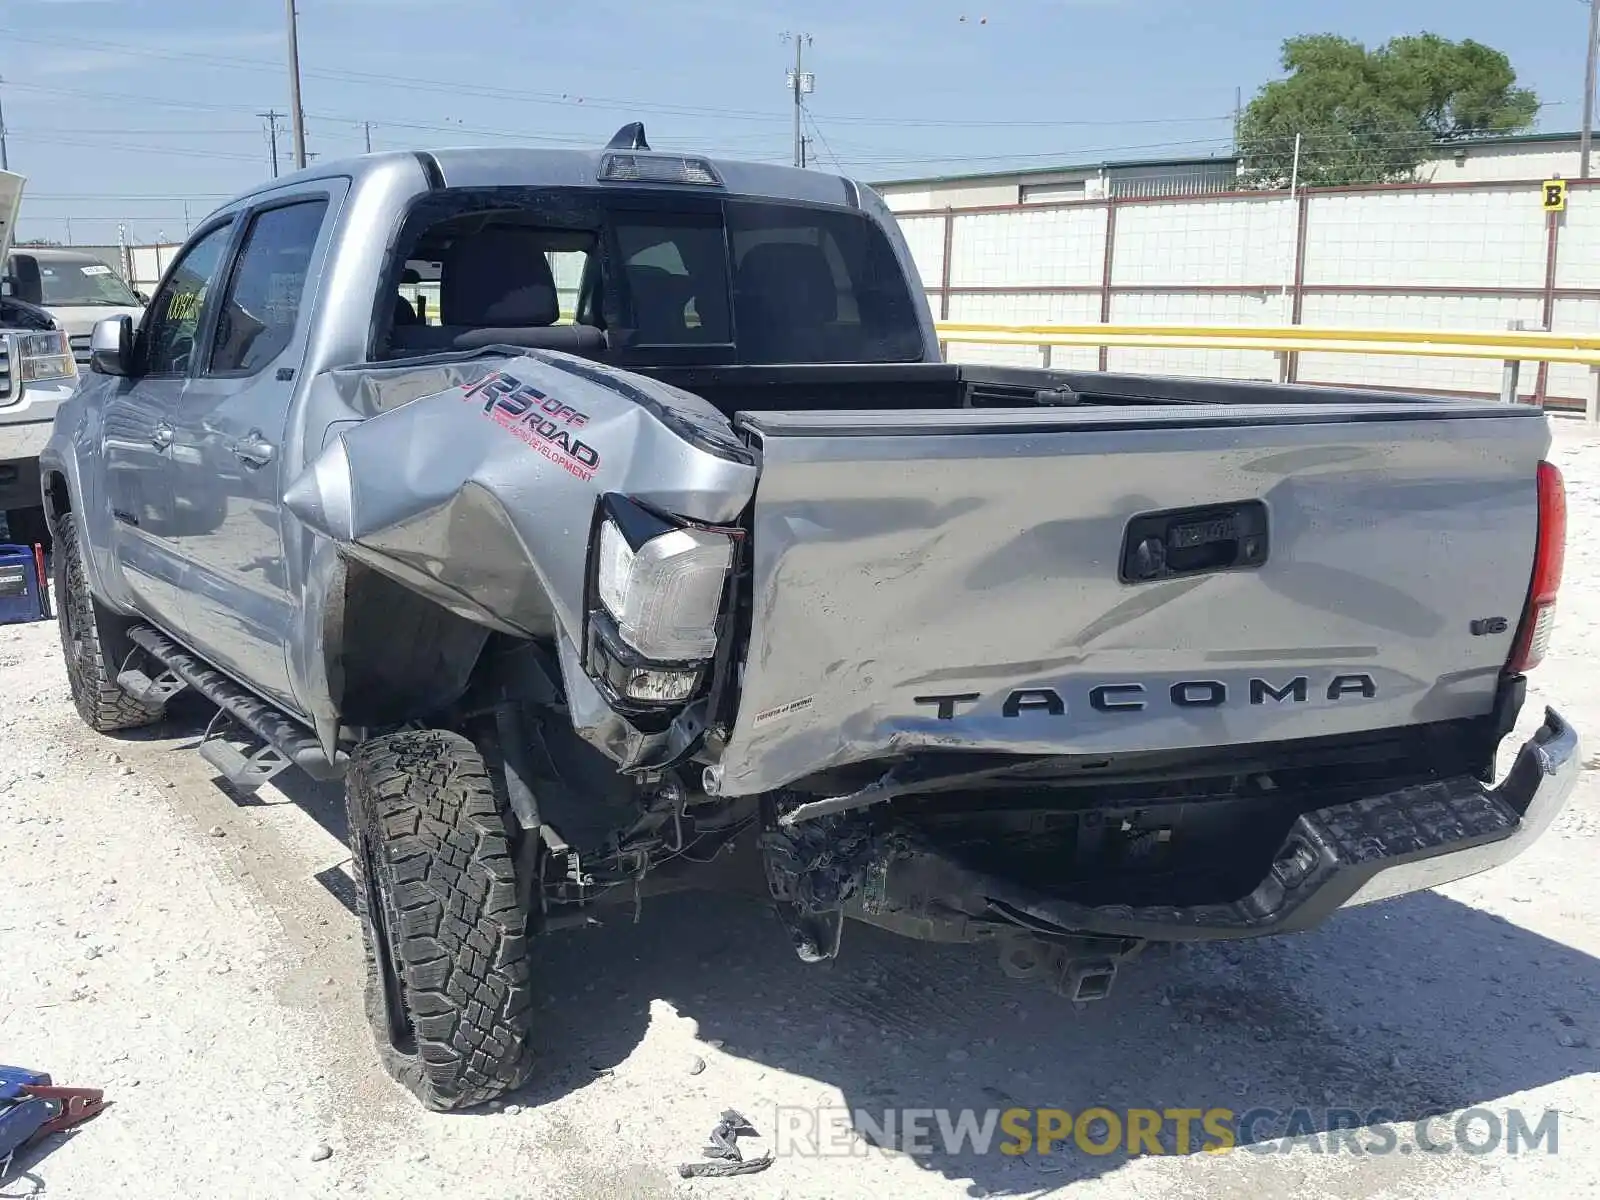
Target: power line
{"x":126,"y":96}
{"x":132,"y":196}
{"x":456,"y":88}
{"x":817,"y":129}
{"x":120,"y":145}
{"x":52,"y":130}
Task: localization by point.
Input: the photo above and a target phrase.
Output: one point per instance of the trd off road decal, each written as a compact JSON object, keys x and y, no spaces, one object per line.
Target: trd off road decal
{"x":540,"y":420}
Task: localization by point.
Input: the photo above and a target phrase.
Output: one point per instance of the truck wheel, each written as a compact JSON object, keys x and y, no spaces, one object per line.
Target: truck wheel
{"x":448,"y":988}
{"x":103,"y":705}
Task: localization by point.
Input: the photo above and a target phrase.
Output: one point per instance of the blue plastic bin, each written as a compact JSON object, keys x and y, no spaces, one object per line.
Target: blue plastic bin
{"x":21,"y":589}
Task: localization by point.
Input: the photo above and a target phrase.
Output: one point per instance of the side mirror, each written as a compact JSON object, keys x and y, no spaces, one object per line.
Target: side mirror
{"x":23,"y":281}
{"x":111,"y":346}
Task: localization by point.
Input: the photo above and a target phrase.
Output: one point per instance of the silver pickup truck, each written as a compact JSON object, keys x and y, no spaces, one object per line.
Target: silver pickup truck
{"x":668,"y":553}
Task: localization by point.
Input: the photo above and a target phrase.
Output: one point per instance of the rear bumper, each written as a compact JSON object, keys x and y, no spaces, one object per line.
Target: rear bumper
{"x":1355,"y":853}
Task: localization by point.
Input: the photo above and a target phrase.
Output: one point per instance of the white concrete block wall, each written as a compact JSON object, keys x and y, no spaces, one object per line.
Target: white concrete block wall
{"x":1169,"y":308}
{"x":1036,"y":309}
{"x":1205,"y":243}
{"x":925,"y":237}
{"x":1039,"y":247}
{"x":1578,"y":241}
{"x":1462,"y":243}
{"x":1582,"y":313}
{"x":1411,"y":238}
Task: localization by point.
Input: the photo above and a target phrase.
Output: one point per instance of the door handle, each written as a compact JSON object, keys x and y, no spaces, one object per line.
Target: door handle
{"x":253,"y":449}
{"x":161,"y":436}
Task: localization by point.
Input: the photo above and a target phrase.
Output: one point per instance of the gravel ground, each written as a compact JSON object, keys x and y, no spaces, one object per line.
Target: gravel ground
{"x":193,"y":954}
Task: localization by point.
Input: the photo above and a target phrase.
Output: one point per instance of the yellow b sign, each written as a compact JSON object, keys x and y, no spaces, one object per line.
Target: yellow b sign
{"x":1555,"y":195}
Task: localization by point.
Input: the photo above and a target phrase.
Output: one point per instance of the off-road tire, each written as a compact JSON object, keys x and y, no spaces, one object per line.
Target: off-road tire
{"x":448,"y":989}
{"x":103,"y":705}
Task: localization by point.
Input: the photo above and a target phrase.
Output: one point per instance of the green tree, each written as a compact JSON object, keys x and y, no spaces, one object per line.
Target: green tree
{"x":1368,"y":116}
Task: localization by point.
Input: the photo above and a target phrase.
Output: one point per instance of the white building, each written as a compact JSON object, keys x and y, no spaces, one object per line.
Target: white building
{"x":1517,"y":158}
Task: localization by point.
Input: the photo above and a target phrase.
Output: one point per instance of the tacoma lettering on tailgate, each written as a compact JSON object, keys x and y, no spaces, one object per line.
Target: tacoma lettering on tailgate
{"x":1136,"y":697}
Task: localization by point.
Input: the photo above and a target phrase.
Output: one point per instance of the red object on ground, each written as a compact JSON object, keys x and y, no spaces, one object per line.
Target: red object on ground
{"x":44,"y":583}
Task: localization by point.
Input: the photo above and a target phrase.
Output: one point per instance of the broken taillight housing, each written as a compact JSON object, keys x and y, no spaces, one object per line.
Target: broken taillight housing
{"x":657,"y":587}
{"x":666,"y":593}
{"x":1539,"y":614}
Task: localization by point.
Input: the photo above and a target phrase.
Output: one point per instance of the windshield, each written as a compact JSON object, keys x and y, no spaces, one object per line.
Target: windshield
{"x":83,"y":282}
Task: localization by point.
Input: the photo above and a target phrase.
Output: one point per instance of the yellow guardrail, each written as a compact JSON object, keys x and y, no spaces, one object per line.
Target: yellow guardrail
{"x":1507,"y":345}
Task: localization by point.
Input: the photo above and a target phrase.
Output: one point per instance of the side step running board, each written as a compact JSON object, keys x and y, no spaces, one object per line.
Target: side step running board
{"x":246,"y":767}
{"x":284,"y":741}
{"x":150,"y":691}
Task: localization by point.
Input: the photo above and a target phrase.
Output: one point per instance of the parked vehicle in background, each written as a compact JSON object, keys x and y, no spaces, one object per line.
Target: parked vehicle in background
{"x":78,"y":289}
{"x":728,"y":580}
{"x":37,"y":373}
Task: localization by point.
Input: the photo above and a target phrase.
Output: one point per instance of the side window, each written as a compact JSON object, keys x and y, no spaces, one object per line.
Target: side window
{"x":567,"y":268}
{"x":173,"y":322}
{"x":417,"y":302}
{"x":262,"y":303}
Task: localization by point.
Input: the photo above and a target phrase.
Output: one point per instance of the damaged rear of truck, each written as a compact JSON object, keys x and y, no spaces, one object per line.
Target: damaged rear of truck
{"x":671,"y":555}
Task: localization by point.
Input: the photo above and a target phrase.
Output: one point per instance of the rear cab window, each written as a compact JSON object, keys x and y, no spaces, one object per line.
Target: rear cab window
{"x":649,"y":277}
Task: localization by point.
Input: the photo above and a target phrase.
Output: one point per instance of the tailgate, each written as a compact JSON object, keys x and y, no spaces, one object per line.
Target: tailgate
{"x":984,"y":580}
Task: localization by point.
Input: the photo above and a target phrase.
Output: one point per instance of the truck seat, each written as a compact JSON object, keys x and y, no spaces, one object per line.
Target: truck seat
{"x":497,"y":289}
{"x":786,"y":296}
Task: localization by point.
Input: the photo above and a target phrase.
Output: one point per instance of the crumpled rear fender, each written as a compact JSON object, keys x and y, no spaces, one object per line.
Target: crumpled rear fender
{"x":473,"y":480}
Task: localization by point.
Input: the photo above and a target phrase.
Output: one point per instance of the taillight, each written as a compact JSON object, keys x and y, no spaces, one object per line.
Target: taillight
{"x":1539,"y":616}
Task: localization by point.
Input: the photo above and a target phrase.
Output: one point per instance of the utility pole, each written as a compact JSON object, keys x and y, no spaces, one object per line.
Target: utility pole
{"x":1588,"y":90}
{"x":297,"y":113}
{"x":366,"y":128}
{"x":271,"y":118}
{"x":801,"y":84}
{"x":5,"y":158}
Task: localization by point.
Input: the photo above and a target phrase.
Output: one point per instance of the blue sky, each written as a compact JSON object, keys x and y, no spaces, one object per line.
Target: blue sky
{"x":123,"y":110}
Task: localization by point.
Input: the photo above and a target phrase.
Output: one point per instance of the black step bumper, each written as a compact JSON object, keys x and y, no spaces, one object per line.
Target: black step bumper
{"x":1354,"y":853}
